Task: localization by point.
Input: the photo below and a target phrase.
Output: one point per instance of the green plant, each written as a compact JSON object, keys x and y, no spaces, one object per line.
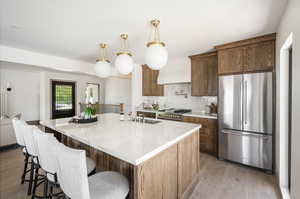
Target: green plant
{"x":89,"y":111}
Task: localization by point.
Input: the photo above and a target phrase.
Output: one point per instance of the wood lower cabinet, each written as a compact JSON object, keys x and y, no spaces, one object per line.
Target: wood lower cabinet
{"x":204,"y":74}
{"x":150,"y":86}
{"x":245,"y":56}
{"x":208,"y":133}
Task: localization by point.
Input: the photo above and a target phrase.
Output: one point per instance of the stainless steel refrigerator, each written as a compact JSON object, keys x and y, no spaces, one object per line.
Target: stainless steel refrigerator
{"x":245,"y":119}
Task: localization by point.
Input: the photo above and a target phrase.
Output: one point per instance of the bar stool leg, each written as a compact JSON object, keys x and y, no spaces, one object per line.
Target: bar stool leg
{"x":36,"y":173}
{"x":25,"y":168}
{"x":46,"y":187}
{"x":51,"y":190}
{"x":31,"y":177}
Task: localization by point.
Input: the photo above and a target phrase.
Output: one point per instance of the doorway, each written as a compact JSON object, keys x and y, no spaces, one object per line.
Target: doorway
{"x":63,"y":99}
{"x":284,"y":116}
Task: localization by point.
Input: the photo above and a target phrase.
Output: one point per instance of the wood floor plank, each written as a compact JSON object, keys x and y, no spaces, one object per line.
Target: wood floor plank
{"x":217,"y":179}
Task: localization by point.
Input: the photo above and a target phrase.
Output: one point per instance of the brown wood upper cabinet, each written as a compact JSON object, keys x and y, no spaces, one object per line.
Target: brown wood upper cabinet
{"x":204,"y":73}
{"x":150,"y":86}
{"x":250,"y":55}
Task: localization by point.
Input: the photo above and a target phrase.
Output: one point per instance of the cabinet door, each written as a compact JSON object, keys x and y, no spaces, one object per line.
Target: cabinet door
{"x":209,"y":137}
{"x":147,"y":79}
{"x":150,"y":86}
{"x":260,"y":57}
{"x":230,"y":60}
{"x":156,"y":89}
{"x":199,"y":77}
{"x":212,"y":76}
{"x":208,"y":134}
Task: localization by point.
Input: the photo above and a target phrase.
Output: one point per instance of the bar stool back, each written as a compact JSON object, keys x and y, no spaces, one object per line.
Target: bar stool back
{"x":47,"y":159}
{"x":18,"y":131}
{"x":72,"y":172}
{"x":27,"y":131}
{"x":43,"y":142}
{"x":74,"y":182}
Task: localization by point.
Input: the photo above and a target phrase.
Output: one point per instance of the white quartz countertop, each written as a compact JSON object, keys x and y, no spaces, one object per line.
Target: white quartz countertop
{"x":129,"y":141}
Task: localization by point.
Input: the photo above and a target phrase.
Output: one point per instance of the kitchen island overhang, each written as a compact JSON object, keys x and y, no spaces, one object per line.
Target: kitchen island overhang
{"x":159,"y":159}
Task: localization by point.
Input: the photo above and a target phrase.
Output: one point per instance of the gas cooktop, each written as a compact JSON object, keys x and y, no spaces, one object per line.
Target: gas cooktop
{"x":173,"y":114}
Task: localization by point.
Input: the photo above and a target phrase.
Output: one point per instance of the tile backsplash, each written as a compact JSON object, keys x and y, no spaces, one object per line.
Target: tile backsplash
{"x":173,"y":100}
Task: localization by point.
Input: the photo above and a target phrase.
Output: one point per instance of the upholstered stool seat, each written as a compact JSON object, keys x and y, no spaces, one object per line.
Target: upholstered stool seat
{"x":108,"y":185}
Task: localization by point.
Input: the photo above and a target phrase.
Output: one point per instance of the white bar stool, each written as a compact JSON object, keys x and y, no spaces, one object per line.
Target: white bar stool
{"x":20,"y":141}
{"x":33,"y":153}
{"x":75,"y":184}
{"x":48,"y":160}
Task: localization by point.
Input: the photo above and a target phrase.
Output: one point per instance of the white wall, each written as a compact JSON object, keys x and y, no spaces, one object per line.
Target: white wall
{"x":31,"y":88}
{"x":118,"y":90}
{"x":24,"y":97}
{"x":290,"y":23}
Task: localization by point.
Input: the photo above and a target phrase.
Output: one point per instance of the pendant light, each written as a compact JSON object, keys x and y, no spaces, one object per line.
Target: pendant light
{"x":156,"y":53}
{"x":124,"y":62}
{"x":103,"y":67}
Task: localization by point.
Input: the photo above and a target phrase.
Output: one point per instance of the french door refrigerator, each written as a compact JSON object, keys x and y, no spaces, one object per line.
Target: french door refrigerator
{"x":245,"y":119}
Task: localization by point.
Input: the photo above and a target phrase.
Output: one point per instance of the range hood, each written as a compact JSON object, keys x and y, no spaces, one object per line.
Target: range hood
{"x":176,"y":71}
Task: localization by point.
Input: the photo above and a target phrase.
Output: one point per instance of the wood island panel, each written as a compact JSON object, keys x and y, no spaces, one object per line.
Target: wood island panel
{"x":157,"y":177}
{"x":188,"y":162}
{"x":167,"y":175}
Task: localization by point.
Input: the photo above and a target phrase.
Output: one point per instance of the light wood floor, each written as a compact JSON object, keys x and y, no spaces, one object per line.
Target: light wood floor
{"x":224,"y":180}
{"x":217,"y":180}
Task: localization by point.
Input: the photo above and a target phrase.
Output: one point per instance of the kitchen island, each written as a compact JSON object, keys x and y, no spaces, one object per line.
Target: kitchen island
{"x":160,"y":160}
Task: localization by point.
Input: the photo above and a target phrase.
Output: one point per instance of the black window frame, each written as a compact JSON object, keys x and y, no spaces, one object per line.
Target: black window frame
{"x":56,"y":114}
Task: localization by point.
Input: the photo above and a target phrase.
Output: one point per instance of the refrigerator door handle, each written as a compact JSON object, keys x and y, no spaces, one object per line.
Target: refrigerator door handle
{"x":245,"y":101}
{"x":241,"y":104}
{"x":245,"y":134}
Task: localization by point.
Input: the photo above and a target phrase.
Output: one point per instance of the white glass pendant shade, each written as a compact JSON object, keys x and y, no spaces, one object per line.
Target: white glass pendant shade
{"x":156,"y":56}
{"x":103,"y":69}
{"x":124,"y":64}
{"x":124,"y":61}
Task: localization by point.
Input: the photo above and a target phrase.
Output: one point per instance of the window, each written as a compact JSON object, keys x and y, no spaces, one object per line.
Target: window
{"x":63,"y":99}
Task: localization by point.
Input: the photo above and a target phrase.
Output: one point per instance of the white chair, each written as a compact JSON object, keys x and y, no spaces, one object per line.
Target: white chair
{"x":75,"y":184}
{"x":19,"y":132}
{"x":48,"y":161}
{"x":31,"y":149}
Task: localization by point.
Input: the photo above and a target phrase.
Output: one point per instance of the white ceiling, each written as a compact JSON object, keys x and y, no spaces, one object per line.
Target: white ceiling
{"x":74,"y":28}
